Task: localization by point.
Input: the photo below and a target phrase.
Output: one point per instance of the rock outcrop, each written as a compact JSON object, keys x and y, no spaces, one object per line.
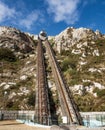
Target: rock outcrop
{"x":72,"y":36}
{"x":17,"y":78}
{"x":81,"y":54}
{"x":15,"y":40}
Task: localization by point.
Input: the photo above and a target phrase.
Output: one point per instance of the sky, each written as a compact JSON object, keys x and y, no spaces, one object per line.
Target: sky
{"x":53,"y":16}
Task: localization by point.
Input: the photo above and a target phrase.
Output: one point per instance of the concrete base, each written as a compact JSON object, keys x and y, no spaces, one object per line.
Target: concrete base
{"x":74,"y":127}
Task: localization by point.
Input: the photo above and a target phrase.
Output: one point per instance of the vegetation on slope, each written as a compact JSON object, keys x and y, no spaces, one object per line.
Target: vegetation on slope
{"x":7,"y":55}
{"x":20,"y":93}
{"x":76,"y":74}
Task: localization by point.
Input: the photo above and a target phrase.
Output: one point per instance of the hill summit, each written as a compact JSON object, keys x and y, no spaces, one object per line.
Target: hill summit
{"x":71,"y":36}
{"x":80,"y":53}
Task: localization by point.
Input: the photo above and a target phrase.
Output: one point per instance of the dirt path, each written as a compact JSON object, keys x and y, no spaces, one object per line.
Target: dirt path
{"x":14,"y":125}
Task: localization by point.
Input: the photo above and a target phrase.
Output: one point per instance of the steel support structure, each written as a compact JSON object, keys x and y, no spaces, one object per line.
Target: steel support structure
{"x":42,"y":110}
{"x":68,"y":106}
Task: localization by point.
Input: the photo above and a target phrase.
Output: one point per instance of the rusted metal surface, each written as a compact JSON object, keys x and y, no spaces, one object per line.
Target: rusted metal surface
{"x":68,"y":106}
{"x":42,"y":111}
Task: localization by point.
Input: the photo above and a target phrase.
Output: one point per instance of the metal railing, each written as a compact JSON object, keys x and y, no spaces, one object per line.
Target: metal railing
{"x":94,"y":120}
{"x":90,"y":119}
{"x":34,"y":119}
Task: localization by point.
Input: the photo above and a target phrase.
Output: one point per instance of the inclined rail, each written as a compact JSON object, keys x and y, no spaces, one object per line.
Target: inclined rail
{"x":68,"y":106}
{"x":42,"y":111}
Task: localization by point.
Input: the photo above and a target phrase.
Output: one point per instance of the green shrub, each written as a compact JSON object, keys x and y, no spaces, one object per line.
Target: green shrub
{"x":10,"y":105}
{"x":7,"y":55}
{"x":101,"y":93}
{"x":65,"y":52}
{"x":96,"y":90}
{"x":65,"y":65}
{"x":68,"y":63}
{"x":31,"y":99}
{"x":87,"y":84}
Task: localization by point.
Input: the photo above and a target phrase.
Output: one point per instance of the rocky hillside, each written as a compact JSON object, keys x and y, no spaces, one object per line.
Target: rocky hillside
{"x":72,"y":36}
{"x":15,"y":40}
{"x":17,"y":69}
{"x":81,"y":53}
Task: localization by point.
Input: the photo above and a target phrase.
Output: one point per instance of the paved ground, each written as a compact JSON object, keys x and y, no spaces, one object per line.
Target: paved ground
{"x":14,"y":125}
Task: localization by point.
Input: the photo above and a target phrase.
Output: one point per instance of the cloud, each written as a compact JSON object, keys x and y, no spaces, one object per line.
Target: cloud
{"x":6,"y":12}
{"x":31,"y":18}
{"x":64,"y":10}
{"x":20,"y":18}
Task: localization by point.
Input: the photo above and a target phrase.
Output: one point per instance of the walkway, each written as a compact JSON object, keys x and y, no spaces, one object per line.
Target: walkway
{"x":14,"y":125}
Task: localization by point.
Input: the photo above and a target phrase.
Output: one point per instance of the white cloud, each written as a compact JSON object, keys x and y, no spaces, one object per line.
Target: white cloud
{"x":19,"y":18}
{"x":64,"y":10}
{"x":30,"y":19}
{"x":6,"y":12}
